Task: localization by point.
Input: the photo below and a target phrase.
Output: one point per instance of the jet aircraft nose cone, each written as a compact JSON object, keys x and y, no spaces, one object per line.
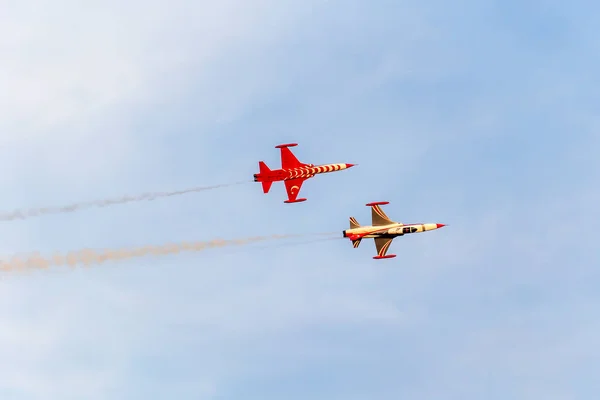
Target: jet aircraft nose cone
{"x":350,"y":165}
{"x":439,"y":225}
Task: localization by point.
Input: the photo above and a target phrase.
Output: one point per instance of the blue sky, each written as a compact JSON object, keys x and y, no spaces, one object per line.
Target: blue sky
{"x":481,"y":115}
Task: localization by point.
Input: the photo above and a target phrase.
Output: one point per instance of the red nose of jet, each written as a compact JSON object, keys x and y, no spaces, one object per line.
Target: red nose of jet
{"x":350,"y":165}
{"x":439,"y":225}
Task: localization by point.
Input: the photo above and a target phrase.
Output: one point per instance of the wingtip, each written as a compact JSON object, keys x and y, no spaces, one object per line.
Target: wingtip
{"x":384,"y":257}
{"x":377,"y":203}
{"x":281,"y":146}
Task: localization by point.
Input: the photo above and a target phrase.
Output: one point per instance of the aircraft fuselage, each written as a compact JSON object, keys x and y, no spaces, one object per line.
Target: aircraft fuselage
{"x":388,"y":231}
{"x":305,"y":172}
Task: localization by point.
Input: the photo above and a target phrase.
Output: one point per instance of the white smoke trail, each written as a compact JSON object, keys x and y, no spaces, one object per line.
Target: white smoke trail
{"x":88,"y":257}
{"x":34,"y":212}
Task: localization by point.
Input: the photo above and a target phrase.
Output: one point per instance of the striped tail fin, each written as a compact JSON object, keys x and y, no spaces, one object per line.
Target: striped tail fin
{"x":356,"y":243}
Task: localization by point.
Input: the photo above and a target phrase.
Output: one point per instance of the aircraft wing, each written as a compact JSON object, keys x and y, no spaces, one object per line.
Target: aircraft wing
{"x":292,"y":188}
{"x":379,"y":217}
{"x":288,"y":159}
{"x":382,"y":245}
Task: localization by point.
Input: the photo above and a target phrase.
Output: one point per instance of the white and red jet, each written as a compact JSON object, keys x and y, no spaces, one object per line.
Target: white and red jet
{"x":383,"y":230}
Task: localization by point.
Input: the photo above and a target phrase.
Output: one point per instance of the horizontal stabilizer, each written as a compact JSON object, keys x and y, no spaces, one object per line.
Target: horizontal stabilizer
{"x":266,"y":186}
{"x":356,"y":243}
{"x":262,"y":168}
{"x":354,"y":223}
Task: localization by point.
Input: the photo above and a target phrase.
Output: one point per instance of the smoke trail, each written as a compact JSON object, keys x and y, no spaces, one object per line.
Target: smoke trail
{"x":303,"y":242}
{"x":34,"y":212}
{"x":88,"y":257}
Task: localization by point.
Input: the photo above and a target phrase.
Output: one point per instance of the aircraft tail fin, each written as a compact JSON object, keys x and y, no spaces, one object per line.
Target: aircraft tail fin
{"x":356,"y":243}
{"x":354,"y":223}
{"x":262,"y":168}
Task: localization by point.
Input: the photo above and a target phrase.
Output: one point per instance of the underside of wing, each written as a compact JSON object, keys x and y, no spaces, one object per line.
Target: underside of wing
{"x":379,"y":217}
{"x":292,"y":188}
{"x":382,"y":245}
{"x":289,"y":160}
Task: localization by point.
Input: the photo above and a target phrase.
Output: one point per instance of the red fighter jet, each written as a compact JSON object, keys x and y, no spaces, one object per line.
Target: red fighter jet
{"x":292,"y":172}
